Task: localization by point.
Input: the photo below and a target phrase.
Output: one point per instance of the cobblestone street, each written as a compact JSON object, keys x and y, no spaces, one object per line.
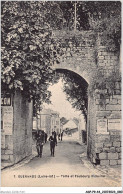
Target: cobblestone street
{"x":70,"y":162}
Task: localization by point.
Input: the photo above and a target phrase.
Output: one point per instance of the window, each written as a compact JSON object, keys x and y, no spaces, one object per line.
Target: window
{"x":57,"y":122}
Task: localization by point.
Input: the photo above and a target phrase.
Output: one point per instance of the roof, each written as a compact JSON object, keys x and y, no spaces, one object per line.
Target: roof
{"x":70,"y":124}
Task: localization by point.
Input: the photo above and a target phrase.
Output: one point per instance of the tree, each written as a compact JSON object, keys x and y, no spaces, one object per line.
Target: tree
{"x":103,"y":17}
{"x":76,"y":90}
{"x":28,"y":49}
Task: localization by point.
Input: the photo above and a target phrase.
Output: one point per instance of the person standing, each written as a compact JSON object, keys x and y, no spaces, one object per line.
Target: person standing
{"x":45,"y":137}
{"x":61,"y":135}
{"x":55,"y":137}
{"x":40,"y":143}
{"x":53,"y":142}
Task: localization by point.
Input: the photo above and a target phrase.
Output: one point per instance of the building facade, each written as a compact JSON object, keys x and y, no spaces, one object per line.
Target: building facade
{"x":55,"y":122}
{"x":48,"y":121}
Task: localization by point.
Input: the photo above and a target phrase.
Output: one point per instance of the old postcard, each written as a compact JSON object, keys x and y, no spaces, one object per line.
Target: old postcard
{"x":61,"y":94}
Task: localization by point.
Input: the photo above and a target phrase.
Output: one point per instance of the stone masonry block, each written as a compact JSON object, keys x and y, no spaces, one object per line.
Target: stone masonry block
{"x":118,"y":85}
{"x":116,"y":144}
{"x":101,"y":63}
{"x":4,"y":157}
{"x":2,"y":151}
{"x":118,"y":150}
{"x":107,"y":101}
{"x":98,"y":150}
{"x":119,"y":101}
{"x":113,"y":162}
{"x":113,"y":107}
{"x":107,"y":150}
{"x":112,"y":149}
{"x":107,"y":62}
{"x":103,"y":156}
{"x":8,"y":152}
{"x":114,"y":138}
{"x":99,"y":145}
{"x":117,"y":92}
{"x":104,"y":162}
{"x":107,"y":145}
{"x":107,"y":57}
{"x":119,"y":155}
{"x":117,"y":133}
{"x":104,"y":53}
{"x":117,"y":96}
{"x":112,"y":156}
{"x":103,"y":113}
{"x":101,"y":107}
{"x":115,"y":115}
{"x":98,"y":101}
{"x":114,"y":57}
{"x":113,"y":101}
{"x":119,"y":162}
{"x":102,"y":138}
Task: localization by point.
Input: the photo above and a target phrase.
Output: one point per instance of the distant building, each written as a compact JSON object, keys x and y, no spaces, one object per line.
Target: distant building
{"x":71,"y":128}
{"x":55,"y":122}
{"x":44,"y":120}
{"x":48,"y":121}
{"x":70,"y":125}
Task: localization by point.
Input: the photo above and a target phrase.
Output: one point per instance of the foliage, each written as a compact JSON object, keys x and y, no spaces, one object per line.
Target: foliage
{"x":104,"y":85}
{"x":28,"y":50}
{"x":75,"y":88}
{"x":103,"y":17}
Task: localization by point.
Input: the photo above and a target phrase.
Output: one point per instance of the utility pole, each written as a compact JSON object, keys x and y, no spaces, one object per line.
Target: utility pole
{"x":75,"y":18}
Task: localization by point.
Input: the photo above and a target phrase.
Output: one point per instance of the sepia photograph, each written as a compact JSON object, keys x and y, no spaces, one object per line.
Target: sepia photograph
{"x":61,"y":94}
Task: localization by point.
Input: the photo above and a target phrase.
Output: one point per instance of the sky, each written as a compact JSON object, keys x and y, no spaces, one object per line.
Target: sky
{"x":59,"y":102}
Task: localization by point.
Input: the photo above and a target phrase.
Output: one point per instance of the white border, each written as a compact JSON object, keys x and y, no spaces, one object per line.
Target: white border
{"x":60,"y":190}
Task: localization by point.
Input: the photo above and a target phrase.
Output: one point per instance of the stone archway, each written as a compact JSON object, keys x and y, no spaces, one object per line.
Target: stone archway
{"x":85,"y":56}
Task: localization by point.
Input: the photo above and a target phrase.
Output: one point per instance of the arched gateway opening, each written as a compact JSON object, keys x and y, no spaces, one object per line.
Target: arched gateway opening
{"x":76,"y":91}
{"x":75,"y":88}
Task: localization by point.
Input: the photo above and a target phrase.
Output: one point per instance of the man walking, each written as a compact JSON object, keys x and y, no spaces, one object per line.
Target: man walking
{"x":40,"y":143}
{"x":55,"y":136}
{"x":53,"y":142}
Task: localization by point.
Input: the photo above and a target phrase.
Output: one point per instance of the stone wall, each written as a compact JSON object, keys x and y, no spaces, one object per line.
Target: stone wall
{"x":79,"y":53}
{"x":104,"y":148}
{"x":18,"y":145}
{"x":108,"y":147}
{"x":104,"y":142}
{"x":22,"y":134}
